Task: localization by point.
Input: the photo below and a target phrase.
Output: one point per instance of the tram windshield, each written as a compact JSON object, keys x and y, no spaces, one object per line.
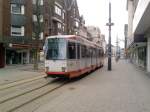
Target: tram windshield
{"x":56,"y":49}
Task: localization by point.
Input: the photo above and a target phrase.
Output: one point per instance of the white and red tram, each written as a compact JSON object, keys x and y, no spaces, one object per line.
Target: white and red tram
{"x":71,"y":56}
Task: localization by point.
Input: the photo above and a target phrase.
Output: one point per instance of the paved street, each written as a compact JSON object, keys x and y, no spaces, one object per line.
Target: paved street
{"x":124,"y":89}
{"x":19,"y":72}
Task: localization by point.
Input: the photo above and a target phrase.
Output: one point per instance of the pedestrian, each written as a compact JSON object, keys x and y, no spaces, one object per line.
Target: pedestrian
{"x":117,"y":58}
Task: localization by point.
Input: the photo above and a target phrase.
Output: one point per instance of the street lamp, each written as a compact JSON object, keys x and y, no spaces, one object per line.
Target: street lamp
{"x":109,"y":24}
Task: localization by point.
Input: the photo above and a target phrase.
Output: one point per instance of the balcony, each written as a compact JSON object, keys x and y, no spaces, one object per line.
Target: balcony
{"x":17,"y":40}
{"x":141,"y":17}
{"x":21,"y":2}
{"x":18,"y":19}
{"x":21,"y":41}
{"x":57,"y":17}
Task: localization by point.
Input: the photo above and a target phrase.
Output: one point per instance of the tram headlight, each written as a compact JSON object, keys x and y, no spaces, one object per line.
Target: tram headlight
{"x":63,"y":69}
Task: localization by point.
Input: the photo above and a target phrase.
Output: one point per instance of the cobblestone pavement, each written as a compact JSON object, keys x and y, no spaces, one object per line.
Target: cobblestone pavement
{"x":124,"y":89}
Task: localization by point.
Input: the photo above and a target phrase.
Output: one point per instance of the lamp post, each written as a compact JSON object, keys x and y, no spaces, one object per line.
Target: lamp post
{"x":109,"y":24}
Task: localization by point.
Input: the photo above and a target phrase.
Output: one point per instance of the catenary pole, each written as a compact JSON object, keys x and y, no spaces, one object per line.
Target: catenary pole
{"x":109,"y":24}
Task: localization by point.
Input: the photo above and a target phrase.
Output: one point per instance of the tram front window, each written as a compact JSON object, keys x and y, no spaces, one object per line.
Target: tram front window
{"x":56,"y":49}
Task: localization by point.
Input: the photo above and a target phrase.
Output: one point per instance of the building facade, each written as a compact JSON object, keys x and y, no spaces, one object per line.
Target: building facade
{"x":17,"y":30}
{"x":95,"y":34}
{"x":57,"y":17}
{"x":73,"y":17}
{"x":61,"y":17}
{"x":125,"y":35}
{"x":103,"y":42}
{"x":138,"y":32}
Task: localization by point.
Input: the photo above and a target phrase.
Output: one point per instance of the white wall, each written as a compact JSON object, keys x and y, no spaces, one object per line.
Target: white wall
{"x":148,"y":54}
{"x":130,"y":22}
{"x":141,"y":7}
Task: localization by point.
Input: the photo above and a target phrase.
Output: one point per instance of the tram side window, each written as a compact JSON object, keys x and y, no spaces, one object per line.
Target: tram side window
{"x":94,"y":52}
{"x":83,"y":51}
{"x":88,"y":52}
{"x":78,"y":51}
{"x":102,"y":53}
{"x":99,"y":53}
{"x":71,"y":50}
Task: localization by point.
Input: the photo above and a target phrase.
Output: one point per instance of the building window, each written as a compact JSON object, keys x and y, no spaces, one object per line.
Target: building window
{"x":63,"y":28}
{"x":17,"y":30}
{"x":76,"y":24}
{"x":41,"y":36}
{"x":41,"y":18}
{"x":17,"y":9}
{"x":74,"y":12}
{"x":63,"y":15}
{"x":35,"y":18}
{"x":40,"y":2}
{"x":83,"y":51}
{"x":34,"y":2}
{"x":59,"y":25}
{"x":57,"y":10}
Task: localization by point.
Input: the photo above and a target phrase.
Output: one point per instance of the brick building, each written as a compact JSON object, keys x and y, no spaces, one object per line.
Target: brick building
{"x":57,"y":17}
{"x":73,"y":17}
{"x":17,"y":30}
{"x":2,"y":50}
{"x":61,"y":17}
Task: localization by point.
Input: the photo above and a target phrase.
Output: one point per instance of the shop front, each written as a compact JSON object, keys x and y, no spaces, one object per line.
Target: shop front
{"x":138,"y":54}
{"x":17,"y":55}
{"x":2,"y":56}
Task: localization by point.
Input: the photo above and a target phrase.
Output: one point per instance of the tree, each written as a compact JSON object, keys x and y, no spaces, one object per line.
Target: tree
{"x":37,"y":29}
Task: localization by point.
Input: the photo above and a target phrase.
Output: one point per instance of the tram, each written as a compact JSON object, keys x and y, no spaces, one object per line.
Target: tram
{"x":71,"y":56}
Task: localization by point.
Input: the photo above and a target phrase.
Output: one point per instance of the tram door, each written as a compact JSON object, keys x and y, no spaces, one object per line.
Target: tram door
{"x":78,"y":55}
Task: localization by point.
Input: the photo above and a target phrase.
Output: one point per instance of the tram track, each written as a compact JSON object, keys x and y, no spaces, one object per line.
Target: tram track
{"x":15,"y":102}
{"x":4,"y":99}
{"x":18,"y":82}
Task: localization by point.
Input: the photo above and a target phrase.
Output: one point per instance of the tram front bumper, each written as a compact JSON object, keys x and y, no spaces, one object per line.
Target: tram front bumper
{"x":58,"y":74}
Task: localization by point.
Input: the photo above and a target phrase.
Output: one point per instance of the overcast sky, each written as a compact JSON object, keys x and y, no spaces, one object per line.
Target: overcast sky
{"x":95,"y":13}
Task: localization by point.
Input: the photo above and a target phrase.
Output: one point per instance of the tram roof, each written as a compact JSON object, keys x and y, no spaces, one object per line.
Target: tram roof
{"x":71,"y":37}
